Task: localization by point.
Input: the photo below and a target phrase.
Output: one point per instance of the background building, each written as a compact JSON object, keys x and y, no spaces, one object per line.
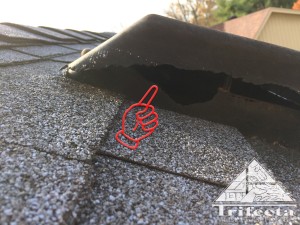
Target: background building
{"x":273,"y":25}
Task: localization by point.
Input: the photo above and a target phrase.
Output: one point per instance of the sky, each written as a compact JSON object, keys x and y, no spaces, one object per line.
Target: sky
{"x":93,"y":15}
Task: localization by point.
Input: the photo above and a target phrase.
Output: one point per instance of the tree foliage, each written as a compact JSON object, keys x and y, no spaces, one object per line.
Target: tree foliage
{"x":209,"y":12}
{"x":198,"y":12}
{"x":229,"y":8}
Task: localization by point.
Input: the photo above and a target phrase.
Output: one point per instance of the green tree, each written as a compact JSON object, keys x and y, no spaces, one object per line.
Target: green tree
{"x":230,"y":8}
{"x":199,"y":12}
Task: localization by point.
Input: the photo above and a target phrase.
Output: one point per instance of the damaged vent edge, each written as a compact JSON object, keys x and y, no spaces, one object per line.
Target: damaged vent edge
{"x":211,"y":96}
{"x":186,"y":86}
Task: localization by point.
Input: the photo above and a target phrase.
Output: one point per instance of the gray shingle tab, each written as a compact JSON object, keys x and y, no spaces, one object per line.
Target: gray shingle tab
{"x":187,"y":145}
{"x":12,"y":33}
{"x":98,"y":37}
{"x":38,"y":188}
{"x":129,"y":194}
{"x":8,"y":56}
{"x":42,"y":32}
{"x":42,"y":109}
{"x":67,"y":58}
{"x":81,"y":35}
{"x":125,"y":193}
{"x":53,"y":33}
{"x":45,"y":51}
{"x":71,"y":34}
{"x":284,"y":165}
{"x":3,"y":43}
{"x":80,"y":47}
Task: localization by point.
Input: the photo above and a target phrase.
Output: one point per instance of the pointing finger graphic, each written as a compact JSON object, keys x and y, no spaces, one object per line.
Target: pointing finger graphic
{"x":146,"y":118}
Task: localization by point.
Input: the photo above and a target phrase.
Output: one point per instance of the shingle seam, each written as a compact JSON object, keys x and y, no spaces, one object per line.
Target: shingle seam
{"x":62,"y":61}
{"x":152,"y":167}
{"x":89,"y":35}
{"x":27,"y":40}
{"x":45,"y":57}
{"x":99,"y":152}
{"x":99,"y":34}
{"x":11,"y":45}
{"x":57,"y":55}
{"x":80,"y":40}
{"x":16,"y":63}
{"x":16,"y":45}
{"x":111,"y":125}
{"x":65,"y":46}
{"x":26,"y":53}
{"x":38,"y":149}
{"x":39,"y":33}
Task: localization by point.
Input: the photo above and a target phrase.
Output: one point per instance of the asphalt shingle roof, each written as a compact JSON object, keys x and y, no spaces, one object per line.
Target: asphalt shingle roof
{"x":60,"y":163}
{"x":14,"y":34}
{"x":199,"y":141}
{"x":9,"y":56}
{"x":44,"y":32}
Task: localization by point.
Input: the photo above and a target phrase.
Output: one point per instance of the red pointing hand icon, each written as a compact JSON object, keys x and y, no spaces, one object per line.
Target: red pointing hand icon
{"x":146,"y":120}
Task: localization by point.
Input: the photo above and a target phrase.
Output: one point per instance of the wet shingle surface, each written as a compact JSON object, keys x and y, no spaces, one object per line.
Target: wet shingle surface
{"x":8,"y":56}
{"x":42,"y":109}
{"x":187,"y":145}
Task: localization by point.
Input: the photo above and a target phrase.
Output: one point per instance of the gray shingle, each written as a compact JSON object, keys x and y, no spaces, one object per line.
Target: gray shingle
{"x":42,"y":109}
{"x":129,"y":194}
{"x":80,"y":47}
{"x":125,"y":193}
{"x":283,"y":164}
{"x":45,"y":51}
{"x":97,"y":37}
{"x":47,"y":121}
{"x":52,"y":33}
{"x":42,"y":32}
{"x":81,"y":35}
{"x":72,"y":34}
{"x":38,"y":188}
{"x":106,"y":35}
{"x":67,"y":58}
{"x":187,"y":145}
{"x":13,"y":33}
{"x":3,"y":43}
{"x":8,"y":56}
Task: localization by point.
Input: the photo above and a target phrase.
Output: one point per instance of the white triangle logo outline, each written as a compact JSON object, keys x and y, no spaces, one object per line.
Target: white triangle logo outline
{"x":254,"y":185}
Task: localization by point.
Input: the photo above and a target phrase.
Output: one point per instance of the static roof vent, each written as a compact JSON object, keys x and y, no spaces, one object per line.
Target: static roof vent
{"x":194,"y":65}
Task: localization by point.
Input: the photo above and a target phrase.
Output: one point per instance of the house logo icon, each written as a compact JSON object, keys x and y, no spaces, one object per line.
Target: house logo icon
{"x":254,"y":187}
